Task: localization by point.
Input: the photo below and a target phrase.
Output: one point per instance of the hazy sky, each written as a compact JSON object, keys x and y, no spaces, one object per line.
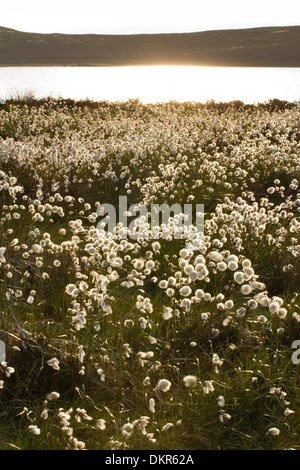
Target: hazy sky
{"x":145,"y":16}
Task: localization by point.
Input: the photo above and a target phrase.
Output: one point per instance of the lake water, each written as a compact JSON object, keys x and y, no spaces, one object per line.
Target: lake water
{"x":153,"y":83}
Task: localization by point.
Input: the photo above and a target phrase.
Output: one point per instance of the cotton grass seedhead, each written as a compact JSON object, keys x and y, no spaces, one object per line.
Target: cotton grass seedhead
{"x":53,"y":396}
{"x":185,"y":291}
{"x":54,"y":363}
{"x":190,"y":380}
{"x":33,"y":429}
{"x":273,"y":432}
{"x":164,"y":385}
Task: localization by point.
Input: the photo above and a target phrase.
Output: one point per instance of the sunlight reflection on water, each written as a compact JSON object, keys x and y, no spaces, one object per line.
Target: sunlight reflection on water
{"x":153,"y":83}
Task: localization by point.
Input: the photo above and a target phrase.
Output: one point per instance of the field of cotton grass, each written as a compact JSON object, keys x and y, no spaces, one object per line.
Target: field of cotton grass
{"x":149,"y":343}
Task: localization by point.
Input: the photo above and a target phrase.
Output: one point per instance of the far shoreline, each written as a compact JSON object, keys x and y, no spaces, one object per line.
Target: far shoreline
{"x":268,"y":47}
{"x":148,"y":65}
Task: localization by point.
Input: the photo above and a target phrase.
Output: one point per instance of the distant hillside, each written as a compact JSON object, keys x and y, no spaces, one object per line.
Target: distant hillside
{"x":256,"y":47}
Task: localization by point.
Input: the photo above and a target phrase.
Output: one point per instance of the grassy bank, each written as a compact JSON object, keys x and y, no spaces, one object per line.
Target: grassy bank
{"x":139,"y":343}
